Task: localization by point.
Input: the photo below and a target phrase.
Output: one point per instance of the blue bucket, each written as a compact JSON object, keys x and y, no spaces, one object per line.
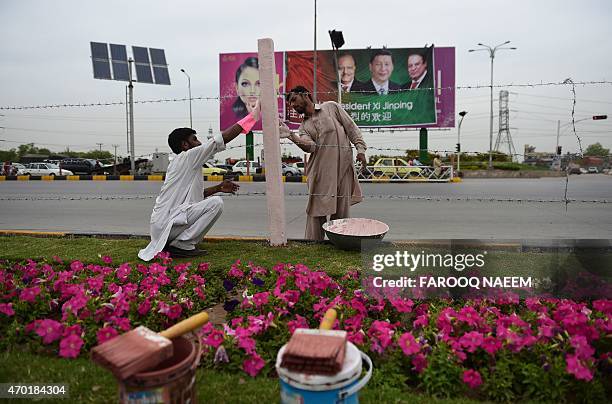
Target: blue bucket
{"x":341,"y":388}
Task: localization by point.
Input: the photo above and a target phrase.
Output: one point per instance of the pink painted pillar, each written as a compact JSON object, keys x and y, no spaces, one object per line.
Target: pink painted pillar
{"x":275,"y":191}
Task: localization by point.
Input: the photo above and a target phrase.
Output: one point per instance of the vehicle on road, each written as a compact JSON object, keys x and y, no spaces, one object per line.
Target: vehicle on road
{"x":593,"y":170}
{"x":290,"y":171}
{"x":393,"y":168}
{"x":240,"y":167}
{"x":81,"y":166}
{"x":44,"y":169}
{"x":211,"y":169}
{"x":299,"y":165}
{"x":584,"y":170}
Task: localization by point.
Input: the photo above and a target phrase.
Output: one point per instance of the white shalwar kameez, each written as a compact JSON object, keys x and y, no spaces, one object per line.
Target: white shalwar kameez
{"x":181,"y":214}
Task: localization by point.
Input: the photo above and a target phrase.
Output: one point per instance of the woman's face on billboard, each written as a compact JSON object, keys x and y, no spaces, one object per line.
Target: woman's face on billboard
{"x":248,"y":86}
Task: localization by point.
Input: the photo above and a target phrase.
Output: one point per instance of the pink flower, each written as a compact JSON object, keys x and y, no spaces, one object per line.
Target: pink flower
{"x":356,"y":337}
{"x":299,"y":322}
{"x":381,"y":334}
{"x":76,"y":266}
{"x":253,"y":365}
{"x":107,"y":260}
{"x":472,"y":378}
{"x":261,"y":299}
{"x":70,"y":347}
{"x":402,"y":305}
{"x":235,"y":271}
{"x":123,"y":272}
{"x":144,"y":307}
{"x":471,"y":341}
{"x":7,"y":309}
{"x":469,"y":316}
{"x":581,"y":346}
{"x":419,"y":361}
{"x":491,"y":345}
{"x":172,"y":312}
{"x":29,"y":294}
{"x":577,"y":368}
{"x":409,"y":344}
{"x":73,"y":329}
{"x":49,"y":330}
{"x":215,"y":338}
{"x":106,"y":334}
{"x":421,"y":321}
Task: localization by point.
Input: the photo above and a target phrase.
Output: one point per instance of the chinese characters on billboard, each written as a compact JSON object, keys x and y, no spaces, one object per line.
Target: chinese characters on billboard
{"x":400,"y":87}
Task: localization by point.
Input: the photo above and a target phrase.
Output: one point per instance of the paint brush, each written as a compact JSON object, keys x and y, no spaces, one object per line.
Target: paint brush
{"x":141,"y":349}
{"x":319,"y":351}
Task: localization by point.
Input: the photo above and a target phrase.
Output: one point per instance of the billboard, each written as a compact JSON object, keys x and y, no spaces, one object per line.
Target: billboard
{"x":239,"y":85}
{"x":394,"y":87}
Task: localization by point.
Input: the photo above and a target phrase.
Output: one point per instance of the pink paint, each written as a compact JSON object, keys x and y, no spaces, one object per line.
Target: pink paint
{"x":356,"y":227}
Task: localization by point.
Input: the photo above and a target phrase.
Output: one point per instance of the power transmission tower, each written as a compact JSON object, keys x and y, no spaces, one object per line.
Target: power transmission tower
{"x":503,"y":143}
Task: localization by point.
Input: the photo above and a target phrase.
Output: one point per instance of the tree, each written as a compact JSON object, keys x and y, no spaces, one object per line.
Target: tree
{"x":597,"y":150}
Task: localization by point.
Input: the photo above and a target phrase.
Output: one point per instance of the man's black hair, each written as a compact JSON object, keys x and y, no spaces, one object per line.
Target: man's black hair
{"x":177,"y":136}
{"x":381,"y":52}
{"x":298,"y":90}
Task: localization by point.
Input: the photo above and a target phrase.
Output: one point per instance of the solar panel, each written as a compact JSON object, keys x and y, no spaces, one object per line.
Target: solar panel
{"x":118,"y":52}
{"x":158,"y":57}
{"x":161,"y":75}
{"x":99,"y":50}
{"x":143,"y":72}
{"x":121,"y":71}
{"x":141,"y":55}
{"x":101,"y":69}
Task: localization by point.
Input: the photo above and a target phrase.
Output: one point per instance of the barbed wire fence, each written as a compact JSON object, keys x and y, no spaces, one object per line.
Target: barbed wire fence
{"x":566,"y":200}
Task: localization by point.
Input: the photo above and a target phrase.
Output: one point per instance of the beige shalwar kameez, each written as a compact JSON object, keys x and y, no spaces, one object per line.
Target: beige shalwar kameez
{"x":332,"y":180}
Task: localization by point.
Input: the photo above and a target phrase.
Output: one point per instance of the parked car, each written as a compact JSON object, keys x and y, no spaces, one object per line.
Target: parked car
{"x":81,"y":166}
{"x":44,"y":169}
{"x":226,"y":167}
{"x":19,"y":168}
{"x":574,"y":170}
{"x":299,"y":165}
{"x":593,"y":170}
{"x":584,"y":170}
{"x":240,"y":167}
{"x":211,"y":169}
{"x":393,"y":167}
{"x":289,"y":171}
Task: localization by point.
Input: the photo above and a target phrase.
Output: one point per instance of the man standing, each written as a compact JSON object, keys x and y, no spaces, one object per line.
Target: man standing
{"x":184,"y":211}
{"x":381,"y":68}
{"x":327,"y":132}
{"x":417,"y":70}
{"x":346,"y":71}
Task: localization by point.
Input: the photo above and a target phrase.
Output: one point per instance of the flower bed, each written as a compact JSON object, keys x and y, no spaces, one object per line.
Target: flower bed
{"x":502,"y":349}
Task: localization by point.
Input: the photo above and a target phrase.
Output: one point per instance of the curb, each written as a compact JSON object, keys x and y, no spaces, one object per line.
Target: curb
{"x":158,"y":177}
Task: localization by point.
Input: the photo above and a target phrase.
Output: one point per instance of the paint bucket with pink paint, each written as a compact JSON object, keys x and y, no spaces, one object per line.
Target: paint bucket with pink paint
{"x":349,"y":233}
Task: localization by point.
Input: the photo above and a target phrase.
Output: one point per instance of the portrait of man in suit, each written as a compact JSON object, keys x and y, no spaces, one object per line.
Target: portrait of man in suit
{"x":381,"y":68}
{"x":346,"y":71}
{"x":417,"y":70}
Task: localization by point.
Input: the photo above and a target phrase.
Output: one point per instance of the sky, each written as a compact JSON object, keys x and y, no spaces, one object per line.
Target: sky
{"x":46,"y":61}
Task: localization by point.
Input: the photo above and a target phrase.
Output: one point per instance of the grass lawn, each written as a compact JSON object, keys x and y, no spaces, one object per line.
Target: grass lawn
{"x":90,"y":383}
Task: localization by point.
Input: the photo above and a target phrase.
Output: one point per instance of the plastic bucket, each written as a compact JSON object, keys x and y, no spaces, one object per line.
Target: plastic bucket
{"x":341,"y":388}
{"x":172,"y":381}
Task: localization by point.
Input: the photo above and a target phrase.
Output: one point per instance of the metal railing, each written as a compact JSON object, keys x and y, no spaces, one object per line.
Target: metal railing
{"x":405,"y":174}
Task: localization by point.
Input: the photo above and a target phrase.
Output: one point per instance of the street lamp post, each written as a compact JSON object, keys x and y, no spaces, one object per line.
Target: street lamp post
{"x":492,"y":56}
{"x":462,"y":114}
{"x":189,"y":88}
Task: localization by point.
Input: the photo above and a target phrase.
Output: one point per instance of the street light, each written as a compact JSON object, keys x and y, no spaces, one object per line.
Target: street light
{"x":462,"y":114}
{"x":337,"y":40}
{"x":189,"y":87}
{"x":559,"y":126}
{"x":492,"y":56}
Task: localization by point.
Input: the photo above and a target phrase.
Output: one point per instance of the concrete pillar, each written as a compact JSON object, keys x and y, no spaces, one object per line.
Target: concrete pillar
{"x":275,"y":192}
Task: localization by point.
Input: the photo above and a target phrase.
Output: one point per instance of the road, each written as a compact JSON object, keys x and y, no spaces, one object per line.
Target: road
{"x":520,"y":209}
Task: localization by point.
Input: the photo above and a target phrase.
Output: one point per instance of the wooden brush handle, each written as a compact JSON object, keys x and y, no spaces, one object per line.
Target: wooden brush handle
{"x":328,"y":320}
{"x":186,"y":325}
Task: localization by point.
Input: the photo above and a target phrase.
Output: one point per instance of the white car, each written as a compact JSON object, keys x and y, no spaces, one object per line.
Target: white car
{"x":43,"y":169}
{"x":240,"y":167}
{"x":299,"y":165}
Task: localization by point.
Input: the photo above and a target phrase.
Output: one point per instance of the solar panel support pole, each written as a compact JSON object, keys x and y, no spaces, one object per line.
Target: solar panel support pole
{"x":131,"y":97}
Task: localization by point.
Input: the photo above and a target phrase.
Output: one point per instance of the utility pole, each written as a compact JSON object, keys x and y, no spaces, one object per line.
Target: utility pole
{"x":115,"y":165}
{"x":491,"y":51}
{"x":100,"y":145}
{"x":557,"y":147}
{"x":314,"y":85}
